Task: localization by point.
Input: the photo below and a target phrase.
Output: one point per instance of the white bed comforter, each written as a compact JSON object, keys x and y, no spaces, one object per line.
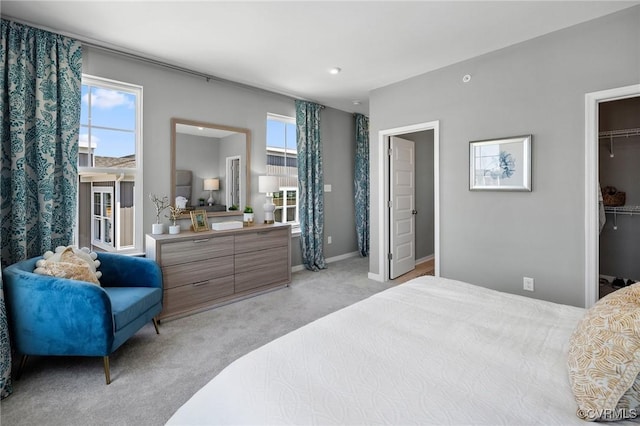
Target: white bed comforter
{"x":431,"y":351}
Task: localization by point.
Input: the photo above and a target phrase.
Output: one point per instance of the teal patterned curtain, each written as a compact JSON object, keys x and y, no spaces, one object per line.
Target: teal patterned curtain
{"x":5,"y":348}
{"x":361,"y":183}
{"x":40,"y":100}
{"x":310,"y":184}
{"x":40,"y":95}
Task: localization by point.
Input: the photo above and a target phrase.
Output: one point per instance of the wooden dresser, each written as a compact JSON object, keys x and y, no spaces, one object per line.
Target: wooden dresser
{"x":205,"y":269}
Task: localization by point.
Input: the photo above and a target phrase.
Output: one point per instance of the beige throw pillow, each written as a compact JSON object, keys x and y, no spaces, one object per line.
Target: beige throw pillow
{"x":604,"y":358}
{"x":68,"y":264}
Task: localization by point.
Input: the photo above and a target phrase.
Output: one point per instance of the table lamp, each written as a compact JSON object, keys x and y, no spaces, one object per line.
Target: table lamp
{"x":268,"y":185}
{"x":211,"y":185}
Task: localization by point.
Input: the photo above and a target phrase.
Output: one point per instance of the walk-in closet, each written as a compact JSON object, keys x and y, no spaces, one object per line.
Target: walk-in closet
{"x":619,"y":175}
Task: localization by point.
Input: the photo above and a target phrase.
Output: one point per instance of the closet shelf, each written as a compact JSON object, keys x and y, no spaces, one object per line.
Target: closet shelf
{"x":612,"y":134}
{"x":619,"y":133}
{"x":630,"y":210}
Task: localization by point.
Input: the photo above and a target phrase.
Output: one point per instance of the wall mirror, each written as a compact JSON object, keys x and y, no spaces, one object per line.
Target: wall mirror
{"x":210,"y":167}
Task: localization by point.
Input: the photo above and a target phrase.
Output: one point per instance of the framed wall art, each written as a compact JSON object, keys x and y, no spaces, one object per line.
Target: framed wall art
{"x":199,"y":220}
{"x":500,"y":164}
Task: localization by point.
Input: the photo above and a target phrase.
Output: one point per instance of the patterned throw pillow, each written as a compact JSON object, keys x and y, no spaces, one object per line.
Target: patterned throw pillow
{"x":71,"y":263}
{"x":604,"y":358}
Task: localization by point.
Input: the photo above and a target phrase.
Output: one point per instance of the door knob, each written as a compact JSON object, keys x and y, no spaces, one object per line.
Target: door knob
{"x":414,"y":211}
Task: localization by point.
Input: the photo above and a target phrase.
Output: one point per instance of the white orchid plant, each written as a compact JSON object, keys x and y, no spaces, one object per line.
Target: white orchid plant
{"x":161,"y":204}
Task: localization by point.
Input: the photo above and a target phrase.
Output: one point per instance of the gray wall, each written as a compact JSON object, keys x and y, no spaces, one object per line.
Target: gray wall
{"x":494,"y":239}
{"x":337,"y":132}
{"x":424,"y":192}
{"x":169,"y":93}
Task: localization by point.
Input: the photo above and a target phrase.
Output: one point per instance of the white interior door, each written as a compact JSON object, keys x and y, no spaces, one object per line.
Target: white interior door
{"x":402,"y":209}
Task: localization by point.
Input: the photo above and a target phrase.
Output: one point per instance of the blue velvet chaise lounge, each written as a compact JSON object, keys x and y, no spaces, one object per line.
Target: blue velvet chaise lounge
{"x":59,"y":316}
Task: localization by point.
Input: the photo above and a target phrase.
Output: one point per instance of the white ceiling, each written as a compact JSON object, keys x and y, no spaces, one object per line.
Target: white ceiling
{"x":288,"y":46}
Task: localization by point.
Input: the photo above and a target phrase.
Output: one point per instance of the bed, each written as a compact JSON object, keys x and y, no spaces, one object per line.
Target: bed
{"x":430,"y":351}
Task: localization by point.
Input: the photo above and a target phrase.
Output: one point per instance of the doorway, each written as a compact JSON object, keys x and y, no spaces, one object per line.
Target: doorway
{"x":619,"y":177}
{"x":384,"y":190}
{"x":592,"y":210}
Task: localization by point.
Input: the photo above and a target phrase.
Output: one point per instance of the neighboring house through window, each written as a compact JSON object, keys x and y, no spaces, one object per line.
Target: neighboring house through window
{"x":282,"y":161}
{"x":110,"y":166}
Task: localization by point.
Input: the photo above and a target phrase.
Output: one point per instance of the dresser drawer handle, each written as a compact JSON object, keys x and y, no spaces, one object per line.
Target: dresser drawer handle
{"x":200,"y":283}
{"x":201,"y":241}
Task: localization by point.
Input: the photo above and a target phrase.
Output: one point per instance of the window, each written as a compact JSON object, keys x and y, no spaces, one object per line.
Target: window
{"x":109,"y":166}
{"x":286,"y":202}
{"x":102,"y":217}
{"x":282,"y":161}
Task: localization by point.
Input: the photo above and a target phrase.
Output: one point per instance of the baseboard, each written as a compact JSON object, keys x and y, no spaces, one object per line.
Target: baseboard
{"x":329,"y":260}
{"x":343,"y":256}
{"x":375,"y":277}
{"x":425,"y":259}
{"x":608,"y":277}
{"x":378,"y":277}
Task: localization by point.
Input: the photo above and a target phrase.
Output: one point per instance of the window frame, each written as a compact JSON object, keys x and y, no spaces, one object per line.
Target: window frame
{"x":97,"y":174}
{"x":295,"y":224}
{"x":105,"y":219}
{"x":285,"y":190}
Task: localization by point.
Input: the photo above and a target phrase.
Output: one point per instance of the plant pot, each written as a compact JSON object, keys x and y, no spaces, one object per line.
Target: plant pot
{"x":174,"y":229}
{"x":248,"y":219}
{"x":157,"y":228}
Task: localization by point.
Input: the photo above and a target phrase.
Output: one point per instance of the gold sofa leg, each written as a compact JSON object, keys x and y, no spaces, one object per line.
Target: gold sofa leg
{"x":23,"y":363}
{"x":155,"y":324}
{"x":107,"y":373}
{"x":105,"y":359}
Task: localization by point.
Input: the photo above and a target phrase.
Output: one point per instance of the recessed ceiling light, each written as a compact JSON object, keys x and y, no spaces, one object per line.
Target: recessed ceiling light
{"x":200,"y":128}
{"x":335,"y":70}
{"x":356,"y":102}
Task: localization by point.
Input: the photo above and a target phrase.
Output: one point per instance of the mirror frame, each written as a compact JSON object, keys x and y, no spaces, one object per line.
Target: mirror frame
{"x":246,"y":132}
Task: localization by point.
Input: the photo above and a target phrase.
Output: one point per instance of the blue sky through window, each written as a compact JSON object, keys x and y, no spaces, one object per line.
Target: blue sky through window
{"x":280,"y":133}
{"x":115,"y":110}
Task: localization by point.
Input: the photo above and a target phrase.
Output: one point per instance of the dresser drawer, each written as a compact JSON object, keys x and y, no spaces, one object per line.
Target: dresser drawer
{"x":195,"y":272}
{"x":192,"y":296}
{"x":261,"y":240}
{"x":205,"y":269}
{"x":208,"y":247}
{"x":263,"y":268}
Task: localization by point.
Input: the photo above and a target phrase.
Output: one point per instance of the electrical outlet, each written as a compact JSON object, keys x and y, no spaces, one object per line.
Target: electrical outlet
{"x":527,"y":283}
{"x":329,"y":239}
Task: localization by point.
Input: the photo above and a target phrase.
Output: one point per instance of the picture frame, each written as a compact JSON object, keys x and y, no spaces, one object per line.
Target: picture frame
{"x":502,"y":164}
{"x":199,"y":220}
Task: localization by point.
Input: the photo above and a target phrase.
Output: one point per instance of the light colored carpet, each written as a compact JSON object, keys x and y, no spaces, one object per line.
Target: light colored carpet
{"x":152,"y":375}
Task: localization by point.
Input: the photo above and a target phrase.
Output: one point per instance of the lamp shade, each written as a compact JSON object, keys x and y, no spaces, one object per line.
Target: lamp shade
{"x":211,"y":184}
{"x":268,"y":184}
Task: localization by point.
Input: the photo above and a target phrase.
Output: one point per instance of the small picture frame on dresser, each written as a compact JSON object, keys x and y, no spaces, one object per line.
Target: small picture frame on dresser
{"x":199,"y":220}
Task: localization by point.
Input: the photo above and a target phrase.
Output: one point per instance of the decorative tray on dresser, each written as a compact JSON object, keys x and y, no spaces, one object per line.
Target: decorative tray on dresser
{"x":204,"y":269}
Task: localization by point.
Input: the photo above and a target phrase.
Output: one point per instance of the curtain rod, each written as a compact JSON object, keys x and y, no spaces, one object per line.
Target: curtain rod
{"x":207,"y":77}
{"x":156,"y":62}
{"x":103,"y":46}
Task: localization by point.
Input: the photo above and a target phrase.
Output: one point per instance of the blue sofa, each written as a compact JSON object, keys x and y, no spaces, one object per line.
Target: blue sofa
{"x":58,"y":316}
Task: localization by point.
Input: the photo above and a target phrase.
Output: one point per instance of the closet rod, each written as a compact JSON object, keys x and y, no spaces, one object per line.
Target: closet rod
{"x":623,"y":210}
{"x":619,"y":133}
